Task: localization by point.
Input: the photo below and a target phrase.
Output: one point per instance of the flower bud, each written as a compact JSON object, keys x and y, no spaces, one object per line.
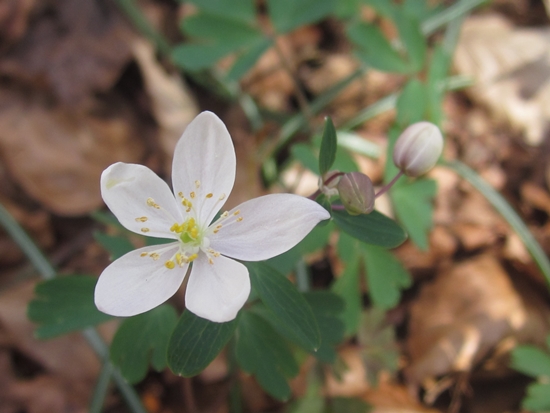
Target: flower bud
{"x":418,"y":148}
{"x":328,"y":183}
{"x":356,"y":193}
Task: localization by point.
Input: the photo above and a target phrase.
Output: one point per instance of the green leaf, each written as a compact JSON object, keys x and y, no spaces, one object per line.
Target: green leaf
{"x":413,"y":204}
{"x":374,"y":228}
{"x":280,"y":296}
{"x":347,"y":405}
{"x":142,"y":338}
{"x":347,"y":287}
{"x":411,"y":104}
{"x":412,"y":38}
{"x":374,"y":49}
{"x":538,"y":397}
{"x":531,"y":360}
{"x":195,"y":342}
{"x":386,"y":276}
{"x":306,"y":156}
{"x":116,"y":245}
{"x":288,"y":15}
{"x":262,"y":352}
{"x":237,"y":9}
{"x":247,"y":59}
{"x":377,"y":339}
{"x":327,"y":307}
{"x":63,"y":305}
{"x":327,"y":154}
{"x":222,"y":30}
{"x":215,"y":36}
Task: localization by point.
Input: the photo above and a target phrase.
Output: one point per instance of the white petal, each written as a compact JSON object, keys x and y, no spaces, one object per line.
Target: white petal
{"x":125,"y":188}
{"x":133,"y":284}
{"x":270,"y":225}
{"x":204,"y":163}
{"x":217,"y":291}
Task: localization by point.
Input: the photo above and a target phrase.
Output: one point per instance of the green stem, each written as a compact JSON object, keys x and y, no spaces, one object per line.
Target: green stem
{"x":451,"y":13}
{"x":508,"y":213}
{"x":47,"y":271}
{"x":29,"y":248}
{"x":101,"y":388}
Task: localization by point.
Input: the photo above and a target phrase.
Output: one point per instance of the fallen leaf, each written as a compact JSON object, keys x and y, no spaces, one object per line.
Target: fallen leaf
{"x":57,"y":155}
{"x":171,"y":102}
{"x":511,"y":69}
{"x":72,"y":50}
{"x":464,"y":314}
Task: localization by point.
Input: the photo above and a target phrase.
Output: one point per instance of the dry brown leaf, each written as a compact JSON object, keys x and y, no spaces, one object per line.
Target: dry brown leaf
{"x":57,"y":156}
{"x":70,"y":366}
{"x":73,"y":49}
{"x":172,"y":105}
{"x":465,"y":314}
{"x":511,"y":69}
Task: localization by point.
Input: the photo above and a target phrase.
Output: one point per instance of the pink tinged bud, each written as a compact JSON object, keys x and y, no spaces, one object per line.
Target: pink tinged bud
{"x":356,"y":193}
{"x":418,"y":148}
{"x":328,"y":183}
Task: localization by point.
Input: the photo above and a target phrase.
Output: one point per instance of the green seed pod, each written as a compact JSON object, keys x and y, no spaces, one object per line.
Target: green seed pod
{"x":418,"y":148}
{"x":356,"y":193}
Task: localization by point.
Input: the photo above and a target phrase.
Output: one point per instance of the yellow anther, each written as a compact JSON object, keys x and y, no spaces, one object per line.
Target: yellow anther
{"x":151,"y":202}
{"x":225,"y":214}
{"x":209,"y":195}
{"x":187,"y":204}
{"x":180,"y":194}
{"x":194,"y":232}
{"x":210,"y":261}
{"x":192,"y":257}
{"x":145,"y":230}
{"x":144,"y":254}
{"x":197,"y":184}
{"x":154,"y":256}
{"x":179,"y":259}
{"x":141,"y":219}
{"x":216,"y":231}
{"x":239,"y":219}
{"x":192,"y":194}
{"x":222,"y":197}
{"x":169,"y":264}
{"x":237,"y":212}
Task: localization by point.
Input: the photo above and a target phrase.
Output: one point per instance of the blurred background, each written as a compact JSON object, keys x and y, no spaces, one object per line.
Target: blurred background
{"x":86,"y":84}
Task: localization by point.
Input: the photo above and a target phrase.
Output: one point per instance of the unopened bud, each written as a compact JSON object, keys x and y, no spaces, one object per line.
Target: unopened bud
{"x":356,"y":193}
{"x":418,"y":148}
{"x":328,"y":183}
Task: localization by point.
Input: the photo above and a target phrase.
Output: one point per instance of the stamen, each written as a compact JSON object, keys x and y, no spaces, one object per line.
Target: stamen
{"x":209,"y":195}
{"x":141,"y":219}
{"x":210,"y":261}
{"x":197,"y":184}
{"x":169,"y":264}
{"x":192,"y":257}
{"x":145,"y":230}
{"x":180,"y":194}
{"x":187,"y":204}
{"x":192,"y":195}
{"x":222,"y":197}
{"x":144,"y":254}
{"x":154,"y":256}
{"x":237,"y":212}
{"x":151,"y":202}
{"x":239,"y":219}
{"x":179,"y":259}
{"x":225,"y":214}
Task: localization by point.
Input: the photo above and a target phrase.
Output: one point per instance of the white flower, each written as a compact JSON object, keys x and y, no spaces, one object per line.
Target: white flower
{"x":203,"y":174}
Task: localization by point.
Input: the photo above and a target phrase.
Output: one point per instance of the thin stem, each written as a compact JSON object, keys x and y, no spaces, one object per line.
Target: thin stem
{"x":101,"y":387}
{"x":386,"y":187}
{"x":29,"y":248}
{"x":47,"y":271}
{"x":504,"y":208}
